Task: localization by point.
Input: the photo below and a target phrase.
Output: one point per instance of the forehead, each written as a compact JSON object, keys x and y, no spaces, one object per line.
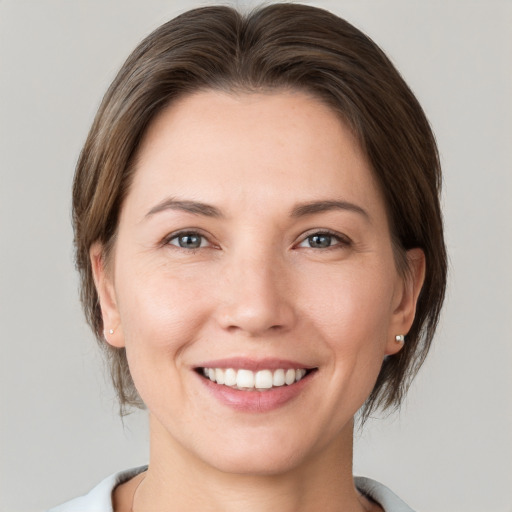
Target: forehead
{"x":215,"y":146}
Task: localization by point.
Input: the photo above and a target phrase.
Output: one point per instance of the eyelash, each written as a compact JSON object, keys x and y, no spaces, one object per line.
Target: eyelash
{"x":191,"y":233}
{"x":342,"y":241}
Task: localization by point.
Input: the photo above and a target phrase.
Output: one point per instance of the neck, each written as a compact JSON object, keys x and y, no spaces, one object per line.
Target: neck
{"x":176,"y":480}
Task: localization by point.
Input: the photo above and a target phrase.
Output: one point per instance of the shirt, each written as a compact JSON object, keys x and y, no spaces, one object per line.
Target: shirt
{"x":99,"y":499}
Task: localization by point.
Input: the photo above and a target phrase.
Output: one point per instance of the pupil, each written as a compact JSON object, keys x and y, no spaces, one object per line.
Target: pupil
{"x":320,"y":241}
{"x":190,"y":241}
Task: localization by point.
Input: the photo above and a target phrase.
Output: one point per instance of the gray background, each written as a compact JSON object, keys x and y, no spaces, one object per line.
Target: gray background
{"x":449,"y":450}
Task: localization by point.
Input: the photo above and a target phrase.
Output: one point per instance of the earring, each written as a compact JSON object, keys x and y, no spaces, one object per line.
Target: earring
{"x":111,"y":331}
{"x":399,"y":338}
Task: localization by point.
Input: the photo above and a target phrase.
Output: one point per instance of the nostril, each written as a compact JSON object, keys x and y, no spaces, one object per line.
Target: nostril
{"x":255,"y":307}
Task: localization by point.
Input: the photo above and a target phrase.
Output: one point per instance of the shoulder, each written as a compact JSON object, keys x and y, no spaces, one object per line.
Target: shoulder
{"x":386,"y":498}
{"x":99,"y":499}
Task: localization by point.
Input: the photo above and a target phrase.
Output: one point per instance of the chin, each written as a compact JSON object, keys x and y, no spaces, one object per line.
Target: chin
{"x":266,"y":454}
{"x":257,"y":464}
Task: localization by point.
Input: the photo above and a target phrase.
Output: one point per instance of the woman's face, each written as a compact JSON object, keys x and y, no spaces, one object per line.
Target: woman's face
{"x":253,"y":243}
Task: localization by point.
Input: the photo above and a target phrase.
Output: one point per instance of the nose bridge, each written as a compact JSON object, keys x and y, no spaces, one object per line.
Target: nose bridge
{"x":256,"y":292}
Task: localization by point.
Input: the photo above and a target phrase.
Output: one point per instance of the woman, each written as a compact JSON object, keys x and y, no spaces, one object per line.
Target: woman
{"x":260,"y":244}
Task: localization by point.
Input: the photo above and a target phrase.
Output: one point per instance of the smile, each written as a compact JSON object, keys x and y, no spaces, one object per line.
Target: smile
{"x":260,"y":380}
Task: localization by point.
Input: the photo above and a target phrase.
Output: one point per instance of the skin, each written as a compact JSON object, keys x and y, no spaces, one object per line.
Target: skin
{"x":256,"y":288}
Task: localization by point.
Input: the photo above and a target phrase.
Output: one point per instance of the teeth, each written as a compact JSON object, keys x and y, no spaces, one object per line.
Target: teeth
{"x":263,"y":379}
{"x":230,"y":377}
{"x":289,"y":377}
{"x":219,"y":376}
{"x":244,"y":379}
{"x":278,"y":378}
{"x":247,"y":379}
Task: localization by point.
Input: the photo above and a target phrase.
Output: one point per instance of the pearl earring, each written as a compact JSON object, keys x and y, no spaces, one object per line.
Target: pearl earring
{"x":111,"y":331}
{"x":399,"y":338}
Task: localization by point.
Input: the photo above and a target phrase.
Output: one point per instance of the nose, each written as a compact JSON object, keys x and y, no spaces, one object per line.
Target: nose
{"x":256,"y":296}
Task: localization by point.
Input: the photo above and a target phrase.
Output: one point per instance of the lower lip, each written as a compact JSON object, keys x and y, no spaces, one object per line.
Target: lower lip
{"x":256,"y":401}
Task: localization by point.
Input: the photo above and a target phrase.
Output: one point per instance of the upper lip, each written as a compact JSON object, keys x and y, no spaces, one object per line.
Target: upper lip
{"x":254,"y":364}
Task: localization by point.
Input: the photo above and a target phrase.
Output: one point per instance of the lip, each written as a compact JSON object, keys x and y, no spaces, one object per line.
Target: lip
{"x":255,"y":401}
{"x":254,"y":364}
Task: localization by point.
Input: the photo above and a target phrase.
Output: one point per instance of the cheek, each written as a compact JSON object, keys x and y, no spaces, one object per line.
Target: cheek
{"x":352,"y":303}
{"x":353,"y":314}
{"x":161,"y":313}
{"x":161,"y":310}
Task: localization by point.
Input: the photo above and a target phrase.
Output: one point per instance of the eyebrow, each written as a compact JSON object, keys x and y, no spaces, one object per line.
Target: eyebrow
{"x":300,"y":210}
{"x":194,"y":207}
{"x":313,"y":207}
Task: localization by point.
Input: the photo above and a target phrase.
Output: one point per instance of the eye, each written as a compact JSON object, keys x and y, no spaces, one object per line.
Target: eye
{"x":189,"y":240}
{"x":323,"y":240}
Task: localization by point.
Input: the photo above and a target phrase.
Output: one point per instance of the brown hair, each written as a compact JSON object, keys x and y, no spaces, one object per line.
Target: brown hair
{"x":278,"y":46}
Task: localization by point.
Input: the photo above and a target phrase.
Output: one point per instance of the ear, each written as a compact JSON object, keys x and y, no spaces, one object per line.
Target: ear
{"x":103,"y":280}
{"x":407,"y":295}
